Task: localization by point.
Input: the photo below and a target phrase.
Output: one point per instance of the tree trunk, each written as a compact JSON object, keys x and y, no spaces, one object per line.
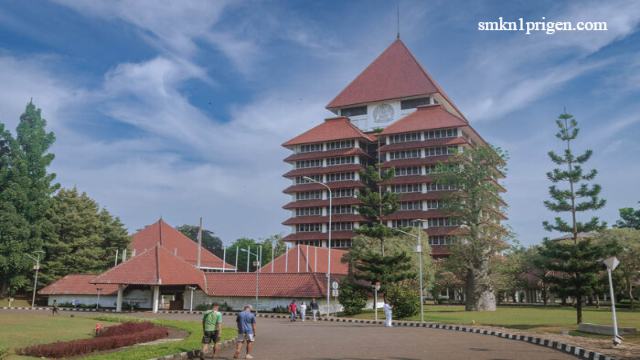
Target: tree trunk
{"x":630,"y":290}
{"x":597,"y":301}
{"x":545,"y":296}
{"x":480,"y":296}
{"x":4,"y":287}
{"x":579,"y":308}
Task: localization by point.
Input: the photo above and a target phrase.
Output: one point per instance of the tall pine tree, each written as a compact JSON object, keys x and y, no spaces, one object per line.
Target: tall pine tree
{"x":25,"y":190}
{"x":574,"y":263}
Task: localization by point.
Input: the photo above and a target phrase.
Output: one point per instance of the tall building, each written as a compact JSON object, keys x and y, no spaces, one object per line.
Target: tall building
{"x":421,"y":126}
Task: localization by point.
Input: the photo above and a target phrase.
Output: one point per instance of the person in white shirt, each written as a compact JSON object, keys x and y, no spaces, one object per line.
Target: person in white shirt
{"x":387,"y":312}
{"x":303,"y":310}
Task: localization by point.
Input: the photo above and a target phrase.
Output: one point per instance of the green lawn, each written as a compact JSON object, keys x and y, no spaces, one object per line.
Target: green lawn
{"x":15,"y":303}
{"x":20,"y":330}
{"x":551,"y":319}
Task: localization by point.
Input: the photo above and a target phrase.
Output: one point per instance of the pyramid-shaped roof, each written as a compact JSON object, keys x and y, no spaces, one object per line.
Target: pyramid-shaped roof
{"x":176,"y":242}
{"x":156,"y":266}
{"x":394,"y":74}
{"x":339,"y":128}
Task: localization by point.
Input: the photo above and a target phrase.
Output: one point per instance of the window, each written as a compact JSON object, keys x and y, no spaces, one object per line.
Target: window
{"x":404,"y":154}
{"x":404,"y":137}
{"x":354,"y":111}
{"x":342,"y":193}
{"x":440,"y":240}
{"x":306,"y":195}
{"x":341,"y":176}
{"x":437,"y":222}
{"x":441,"y":133}
{"x":440,"y":150}
{"x":410,"y":205}
{"x":435,"y":204}
{"x":344,"y":144}
{"x":436,"y":187}
{"x":343,"y":209}
{"x":311,"y":147}
{"x":404,"y":223}
{"x":340,"y":160}
{"x":406,"y":171}
{"x":309,"y":211}
{"x":317,"y":243}
{"x":308,"y":227}
{"x":406,"y":188}
{"x":302,"y":180}
{"x":414,"y":103}
{"x":341,"y":226}
{"x":308,"y":163}
{"x":341,"y":243}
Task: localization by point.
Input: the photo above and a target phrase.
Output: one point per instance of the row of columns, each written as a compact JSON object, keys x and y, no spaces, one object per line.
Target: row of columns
{"x":156,"y":297}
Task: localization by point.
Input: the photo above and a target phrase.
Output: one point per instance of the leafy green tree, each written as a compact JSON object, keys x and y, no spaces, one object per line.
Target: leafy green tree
{"x":574,"y":175}
{"x":25,"y":190}
{"x":629,"y":218}
{"x":353,"y":296}
{"x":273,"y":242}
{"x":476,"y":205}
{"x":447,"y":275}
{"x":404,"y":299}
{"x":574,"y":269}
{"x":209,"y":240}
{"x":533,"y":263}
{"x":84,"y":237}
{"x":377,"y":204}
{"x":389,"y":269}
{"x":625,"y":244}
{"x":506,"y":275}
{"x":265,"y":244}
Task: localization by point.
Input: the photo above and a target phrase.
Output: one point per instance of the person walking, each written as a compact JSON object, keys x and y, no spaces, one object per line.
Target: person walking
{"x":54,"y":309}
{"x":388,"y":311}
{"x":293,"y":310}
{"x":211,"y":330}
{"x":314,"y":308}
{"x":246,"y":331}
{"x":303,"y":310}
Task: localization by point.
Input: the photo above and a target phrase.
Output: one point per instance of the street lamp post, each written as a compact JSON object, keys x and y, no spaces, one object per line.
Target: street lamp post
{"x":259,"y":266}
{"x":610,"y":264}
{"x":376,"y":287}
{"x":191,"y":305}
{"x":329,"y":242}
{"x":98,"y":301}
{"x":419,"y":251}
{"x":35,"y":282}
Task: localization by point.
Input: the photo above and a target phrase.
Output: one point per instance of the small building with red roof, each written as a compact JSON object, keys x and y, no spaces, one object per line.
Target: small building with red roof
{"x":74,"y":288}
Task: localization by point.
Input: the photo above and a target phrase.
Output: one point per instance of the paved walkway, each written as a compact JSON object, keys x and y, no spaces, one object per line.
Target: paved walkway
{"x":282,"y":340}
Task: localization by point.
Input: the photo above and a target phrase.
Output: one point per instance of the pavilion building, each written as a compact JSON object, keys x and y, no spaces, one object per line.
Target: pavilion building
{"x":395,"y":114}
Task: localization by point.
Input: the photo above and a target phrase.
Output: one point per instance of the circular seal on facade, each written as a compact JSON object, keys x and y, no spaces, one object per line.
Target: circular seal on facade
{"x":383,"y":113}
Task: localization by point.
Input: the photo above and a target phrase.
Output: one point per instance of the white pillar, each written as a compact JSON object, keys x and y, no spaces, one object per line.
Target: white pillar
{"x":119,"y":300}
{"x":156,"y":295}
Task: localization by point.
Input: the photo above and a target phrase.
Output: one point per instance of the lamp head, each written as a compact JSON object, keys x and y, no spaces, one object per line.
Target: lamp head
{"x":609,"y":263}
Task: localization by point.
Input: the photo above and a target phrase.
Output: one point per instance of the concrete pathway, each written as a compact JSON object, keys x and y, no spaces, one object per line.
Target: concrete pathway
{"x":279,"y":339}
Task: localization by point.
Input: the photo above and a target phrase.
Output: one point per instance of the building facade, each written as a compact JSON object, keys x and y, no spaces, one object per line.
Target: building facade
{"x":395,"y":114}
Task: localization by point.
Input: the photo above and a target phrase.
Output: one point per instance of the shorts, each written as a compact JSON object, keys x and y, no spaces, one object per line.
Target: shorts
{"x":243,"y":337}
{"x":210,"y":336}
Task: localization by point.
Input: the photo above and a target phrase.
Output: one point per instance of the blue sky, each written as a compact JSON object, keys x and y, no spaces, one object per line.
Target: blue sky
{"x":178,"y":109}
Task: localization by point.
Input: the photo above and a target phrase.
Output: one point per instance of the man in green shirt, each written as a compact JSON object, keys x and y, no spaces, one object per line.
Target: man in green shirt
{"x":212,"y":328}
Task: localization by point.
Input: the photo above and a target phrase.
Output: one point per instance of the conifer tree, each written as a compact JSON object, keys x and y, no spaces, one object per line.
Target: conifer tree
{"x":629,"y":218}
{"x":567,"y":200}
{"x":388,"y":269}
{"x":576,"y":270}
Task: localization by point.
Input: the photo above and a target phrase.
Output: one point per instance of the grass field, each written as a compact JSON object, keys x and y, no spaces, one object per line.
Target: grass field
{"x":15,"y":303}
{"x":551,"y":319}
{"x":19,"y":330}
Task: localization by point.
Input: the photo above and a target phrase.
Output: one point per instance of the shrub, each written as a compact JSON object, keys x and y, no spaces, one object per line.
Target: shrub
{"x":353,"y":296}
{"x":4,"y":353}
{"x":85,"y":346}
{"x":405,"y":301}
{"x":202,"y":307}
{"x":123,"y":329}
{"x":280,"y":309}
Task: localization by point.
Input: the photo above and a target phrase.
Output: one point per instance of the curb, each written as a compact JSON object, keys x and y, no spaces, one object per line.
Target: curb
{"x":194,"y":353}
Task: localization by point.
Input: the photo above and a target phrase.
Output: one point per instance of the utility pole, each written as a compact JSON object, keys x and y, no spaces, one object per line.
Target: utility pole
{"x":35,"y":282}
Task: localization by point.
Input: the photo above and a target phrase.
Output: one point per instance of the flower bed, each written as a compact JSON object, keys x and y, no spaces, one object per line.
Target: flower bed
{"x":123,"y":335}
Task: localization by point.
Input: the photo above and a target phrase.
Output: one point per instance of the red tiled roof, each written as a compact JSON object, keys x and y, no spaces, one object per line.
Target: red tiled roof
{"x":319,"y":236}
{"x":324,"y":219}
{"x":156,"y":266}
{"x":317,"y":202}
{"x":332,"y":185}
{"x":172,"y":239}
{"x":77,"y":284}
{"x":410,"y":145}
{"x":308,"y":257}
{"x":339,"y":128}
{"x":427,"y":117}
{"x":323,"y":170}
{"x":396,"y":73}
{"x":290,"y":285}
{"x":326,"y":154}
{"x":429,"y":160}
{"x":415,"y":214}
